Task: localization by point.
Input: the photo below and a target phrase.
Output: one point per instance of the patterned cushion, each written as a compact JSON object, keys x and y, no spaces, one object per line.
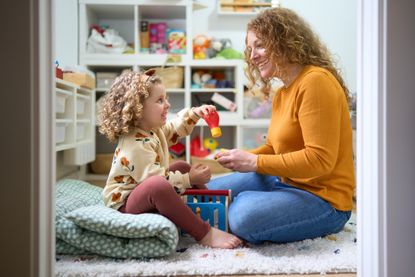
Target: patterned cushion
{"x":63,"y":247}
{"x":116,"y":247}
{"x":148,"y":235}
{"x":73,"y":194}
{"x":108,"y":221}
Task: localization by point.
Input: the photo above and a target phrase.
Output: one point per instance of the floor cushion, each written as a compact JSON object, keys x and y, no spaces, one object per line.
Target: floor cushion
{"x":84,"y":226}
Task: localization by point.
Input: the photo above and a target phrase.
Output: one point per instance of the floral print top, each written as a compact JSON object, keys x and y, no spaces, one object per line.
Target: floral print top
{"x":141,"y":154}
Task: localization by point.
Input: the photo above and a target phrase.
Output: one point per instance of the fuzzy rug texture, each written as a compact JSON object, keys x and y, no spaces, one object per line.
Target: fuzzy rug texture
{"x":331,"y":254}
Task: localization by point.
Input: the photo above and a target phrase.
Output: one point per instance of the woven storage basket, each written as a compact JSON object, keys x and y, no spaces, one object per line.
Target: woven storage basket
{"x":102,"y":163}
{"x":172,"y":77}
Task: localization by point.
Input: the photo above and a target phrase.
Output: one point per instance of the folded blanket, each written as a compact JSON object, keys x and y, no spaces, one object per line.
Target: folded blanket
{"x":85,"y":226}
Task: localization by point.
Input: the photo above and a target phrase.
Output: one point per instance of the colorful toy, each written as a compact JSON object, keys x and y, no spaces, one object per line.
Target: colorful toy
{"x":224,"y":102}
{"x":200,"y":45}
{"x":177,"y":150}
{"x":229,"y":54}
{"x":217,"y":45}
{"x":211,"y":205}
{"x":210,"y":144}
{"x":255,"y":139}
{"x":262,"y":110}
{"x":176,"y":41}
{"x":221,"y":150}
{"x":212,"y":120}
{"x":196,"y":149}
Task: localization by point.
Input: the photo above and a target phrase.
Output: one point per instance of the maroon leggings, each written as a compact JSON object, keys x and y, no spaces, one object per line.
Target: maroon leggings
{"x":156,"y":194}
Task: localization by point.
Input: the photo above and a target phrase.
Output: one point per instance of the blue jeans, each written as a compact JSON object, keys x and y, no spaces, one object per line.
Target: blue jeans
{"x":264,"y":209}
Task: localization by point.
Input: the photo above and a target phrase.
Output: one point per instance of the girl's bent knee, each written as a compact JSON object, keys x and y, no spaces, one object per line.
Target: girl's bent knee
{"x":157,"y":184}
{"x":181,"y":166}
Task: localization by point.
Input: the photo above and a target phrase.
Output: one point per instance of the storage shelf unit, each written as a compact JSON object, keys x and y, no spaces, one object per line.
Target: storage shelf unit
{"x":177,"y":14}
{"x":74,"y":122}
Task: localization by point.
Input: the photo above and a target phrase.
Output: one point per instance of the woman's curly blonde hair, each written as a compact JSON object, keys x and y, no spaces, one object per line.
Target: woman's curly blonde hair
{"x":288,"y":39}
{"x":121,"y":107}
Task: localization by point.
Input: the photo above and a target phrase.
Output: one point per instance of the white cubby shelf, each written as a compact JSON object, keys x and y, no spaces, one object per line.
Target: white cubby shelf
{"x":74,"y":126}
{"x":126,"y":15}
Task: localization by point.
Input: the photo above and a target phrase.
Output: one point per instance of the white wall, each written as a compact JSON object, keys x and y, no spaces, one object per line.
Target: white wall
{"x":334,"y":20}
{"x":65,"y":18}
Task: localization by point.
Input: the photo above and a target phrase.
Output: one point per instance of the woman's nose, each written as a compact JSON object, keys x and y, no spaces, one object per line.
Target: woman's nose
{"x":253,"y":55}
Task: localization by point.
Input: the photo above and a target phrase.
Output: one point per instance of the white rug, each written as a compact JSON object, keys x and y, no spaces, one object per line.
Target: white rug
{"x":331,"y":254}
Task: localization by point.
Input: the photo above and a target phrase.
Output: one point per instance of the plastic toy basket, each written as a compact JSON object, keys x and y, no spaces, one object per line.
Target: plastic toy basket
{"x":210,"y":205}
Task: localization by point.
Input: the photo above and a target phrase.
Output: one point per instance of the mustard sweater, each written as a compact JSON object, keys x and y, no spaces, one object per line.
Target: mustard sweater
{"x":309,"y":141}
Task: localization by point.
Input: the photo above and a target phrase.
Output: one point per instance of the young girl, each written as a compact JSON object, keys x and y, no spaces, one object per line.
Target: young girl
{"x":134,"y":113}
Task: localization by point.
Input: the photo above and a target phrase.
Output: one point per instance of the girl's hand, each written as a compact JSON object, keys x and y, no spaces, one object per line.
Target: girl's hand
{"x":204,"y":110}
{"x":238,"y":160}
{"x":199,"y":175}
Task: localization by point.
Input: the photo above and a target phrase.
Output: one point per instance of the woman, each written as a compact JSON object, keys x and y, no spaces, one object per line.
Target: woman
{"x":298,"y":185}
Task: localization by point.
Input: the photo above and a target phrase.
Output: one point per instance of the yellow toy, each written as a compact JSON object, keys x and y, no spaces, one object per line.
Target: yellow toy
{"x":210,"y":144}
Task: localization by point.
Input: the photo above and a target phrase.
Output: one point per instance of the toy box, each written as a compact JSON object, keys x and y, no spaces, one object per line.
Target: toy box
{"x":176,"y":41}
{"x":210,"y":205}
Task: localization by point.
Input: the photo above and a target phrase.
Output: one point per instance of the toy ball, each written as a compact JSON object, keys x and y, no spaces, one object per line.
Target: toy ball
{"x":210,"y":144}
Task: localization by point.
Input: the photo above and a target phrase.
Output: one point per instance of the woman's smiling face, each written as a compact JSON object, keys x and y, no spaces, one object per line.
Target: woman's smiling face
{"x":258,"y":56}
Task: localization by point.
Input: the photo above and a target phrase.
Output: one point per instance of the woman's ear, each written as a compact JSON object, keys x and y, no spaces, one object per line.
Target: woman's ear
{"x":150,"y":72}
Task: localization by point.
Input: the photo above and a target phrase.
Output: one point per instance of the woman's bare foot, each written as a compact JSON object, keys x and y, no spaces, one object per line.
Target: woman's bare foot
{"x":219,"y":239}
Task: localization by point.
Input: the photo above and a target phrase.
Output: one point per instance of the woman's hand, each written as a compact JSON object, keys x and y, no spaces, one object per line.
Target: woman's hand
{"x":199,"y":175}
{"x":204,"y":110}
{"x":237,"y":160}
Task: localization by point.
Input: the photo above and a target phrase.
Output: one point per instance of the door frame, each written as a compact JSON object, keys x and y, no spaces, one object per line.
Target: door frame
{"x":370,"y":142}
{"x":371,"y":138}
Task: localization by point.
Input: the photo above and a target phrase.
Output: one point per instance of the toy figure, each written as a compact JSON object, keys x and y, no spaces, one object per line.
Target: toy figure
{"x":200,"y":45}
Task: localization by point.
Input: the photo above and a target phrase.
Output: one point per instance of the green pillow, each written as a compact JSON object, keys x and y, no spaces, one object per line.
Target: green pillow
{"x":83,"y":240}
{"x":108,"y":221}
{"x":72,"y":194}
{"x":65,"y":248}
{"x":126,"y":236}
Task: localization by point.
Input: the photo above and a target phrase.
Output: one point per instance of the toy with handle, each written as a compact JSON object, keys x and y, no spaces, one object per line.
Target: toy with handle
{"x":212,"y":120}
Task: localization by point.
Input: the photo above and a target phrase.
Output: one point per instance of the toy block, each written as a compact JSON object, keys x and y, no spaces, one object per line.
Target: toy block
{"x":210,"y":205}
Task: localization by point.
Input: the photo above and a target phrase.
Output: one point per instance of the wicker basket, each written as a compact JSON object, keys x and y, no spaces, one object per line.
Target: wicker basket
{"x":102,"y":163}
{"x":172,"y":77}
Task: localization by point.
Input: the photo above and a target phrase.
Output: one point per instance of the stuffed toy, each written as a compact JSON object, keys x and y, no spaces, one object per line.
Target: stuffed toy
{"x":229,"y":54}
{"x":200,"y":45}
{"x":202,"y":79}
{"x":217,"y":45}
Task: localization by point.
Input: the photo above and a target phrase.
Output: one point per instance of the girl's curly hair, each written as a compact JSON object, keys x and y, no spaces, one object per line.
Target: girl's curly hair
{"x":288,"y":39}
{"x":121,"y":107}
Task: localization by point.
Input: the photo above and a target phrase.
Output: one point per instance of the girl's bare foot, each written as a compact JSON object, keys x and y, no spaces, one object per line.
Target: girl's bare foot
{"x":219,"y":239}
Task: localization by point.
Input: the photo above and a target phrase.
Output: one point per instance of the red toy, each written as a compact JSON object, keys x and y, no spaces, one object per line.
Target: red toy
{"x":196,"y":148}
{"x":212,"y":119}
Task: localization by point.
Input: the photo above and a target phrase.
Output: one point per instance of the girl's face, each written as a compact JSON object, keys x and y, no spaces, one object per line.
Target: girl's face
{"x":258,"y":56}
{"x":155,"y":108}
